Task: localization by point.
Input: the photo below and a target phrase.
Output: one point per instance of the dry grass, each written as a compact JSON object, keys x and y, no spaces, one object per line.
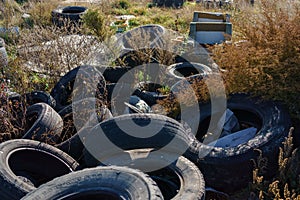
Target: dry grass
{"x":12,"y":117}
{"x":286,"y":183}
{"x":267,"y":61}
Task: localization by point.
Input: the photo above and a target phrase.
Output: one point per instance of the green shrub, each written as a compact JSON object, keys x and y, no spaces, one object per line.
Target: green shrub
{"x":95,"y":23}
{"x":150,"y":5}
{"x":139,"y":11}
{"x":41,"y":12}
{"x":133,"y":22}
{"x":122,"y":4}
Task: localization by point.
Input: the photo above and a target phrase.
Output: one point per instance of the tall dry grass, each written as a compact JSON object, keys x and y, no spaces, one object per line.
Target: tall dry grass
{"x":285,"y":185}
{"x":267,"y":60}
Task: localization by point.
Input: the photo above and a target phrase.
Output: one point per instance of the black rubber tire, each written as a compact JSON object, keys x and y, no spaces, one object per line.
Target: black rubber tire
{"x":113,"y":74}
{"x":180,"y":179}
{"x":71,"y":13}
{"x":171,"y":131}
{"x":186,"y":69}
{"x":155,"y":32}
{"x":169,"y":3}
{"x":63,"y":89}
{"x":74,"y":147}
{"x":43,"y":123}
{"x":192,"y":184}
{"x":71,"y":142}
{"x":33,"y":98}
{"x":132,"y":58}
{"x":66,"y":114}
{"x":18,"y":104}
{"x":144,"y":89}
{"x":147,"y":97}
{"x":26,"y":164}
{"x":121,"y":94}
{"x":111,"y":182}
{"x":116,"y":96}
{"x":230,"y":169}
{"x":156,"y":55}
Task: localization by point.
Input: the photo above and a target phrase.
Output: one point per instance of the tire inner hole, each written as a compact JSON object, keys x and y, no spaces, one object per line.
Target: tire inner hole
{"x":187,"y":71}
{"x":36,"y":167}
{"x":168,"y":181}
{"x":246,"y":119}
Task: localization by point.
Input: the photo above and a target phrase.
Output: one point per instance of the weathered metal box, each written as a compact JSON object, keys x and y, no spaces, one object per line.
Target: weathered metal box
{"x":210,"y":17}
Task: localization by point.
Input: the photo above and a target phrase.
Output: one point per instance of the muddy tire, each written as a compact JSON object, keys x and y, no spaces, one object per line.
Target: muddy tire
{"x":26,"y":164}
{"x":111,"y":182}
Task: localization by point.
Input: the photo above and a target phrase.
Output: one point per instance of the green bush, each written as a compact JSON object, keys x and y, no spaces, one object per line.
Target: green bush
{"x":122,"y":4}
{"x":133,"y":22}
{"x":150,"y":5}
{"x":95,"y":23}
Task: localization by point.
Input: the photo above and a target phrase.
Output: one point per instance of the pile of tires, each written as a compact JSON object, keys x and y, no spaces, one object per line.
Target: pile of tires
{"x":97,"y":135}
